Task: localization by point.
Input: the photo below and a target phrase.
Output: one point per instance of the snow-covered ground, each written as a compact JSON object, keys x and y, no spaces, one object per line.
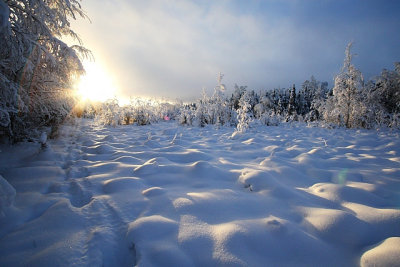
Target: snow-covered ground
{"x":166,"y":195}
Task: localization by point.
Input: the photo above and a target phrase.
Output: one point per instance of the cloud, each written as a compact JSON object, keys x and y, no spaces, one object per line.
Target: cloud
{"x":175,"y":48}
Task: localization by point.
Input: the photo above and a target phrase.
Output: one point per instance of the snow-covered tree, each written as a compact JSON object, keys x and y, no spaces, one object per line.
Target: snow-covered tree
{"x":201,"y":115}
{"x":292,"y":107}
{"x":383,"y":99}
{"x":306,"y":95}
{"x":187,"y":115}
{"x":318,"y":101}
{"x":36,"y":67}
{"x":237,"y":94}
{"x":215,"y":109}
{"x":244,"y":116}
{"x":310,"y":98}
{"x":220,"y":107}
{"x":346,"y":106}
{"x":387,"y":89}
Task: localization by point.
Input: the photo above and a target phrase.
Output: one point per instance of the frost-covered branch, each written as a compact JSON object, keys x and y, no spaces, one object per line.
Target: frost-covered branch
{"x":36,"y":67}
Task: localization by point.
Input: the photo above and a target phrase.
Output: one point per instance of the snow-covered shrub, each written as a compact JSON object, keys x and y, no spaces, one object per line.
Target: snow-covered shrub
{"x":142,"y":117}
{"x":110,"y":113}
{"x":217,"y":108}
{"x":187,"y":115}
{"x":269,"y":118}
{"x":144,"y":111}
{"x":166,"y":110}
{"x":209,"y":110}
{"x":259,"y":110}
{"x":138,"y":111}
{"x":85,"y":109}
{"x":127,"y":115}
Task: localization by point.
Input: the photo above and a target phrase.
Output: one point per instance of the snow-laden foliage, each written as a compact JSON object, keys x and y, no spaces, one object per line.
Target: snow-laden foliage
{"x":354,"y":103}
{"x":201,"y":115}
{"x":209,"y":110}
{"x":244,"y":116}
{"x":138,"y":111}
{"x":347,"y":106}
{"x":351,"y":103}
{"x":187,"y":115}
{"x":36,"y":67}
{"x":383,"y":98}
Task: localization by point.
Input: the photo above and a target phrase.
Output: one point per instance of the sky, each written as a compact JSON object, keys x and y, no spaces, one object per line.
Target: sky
{"x":174,"y":49}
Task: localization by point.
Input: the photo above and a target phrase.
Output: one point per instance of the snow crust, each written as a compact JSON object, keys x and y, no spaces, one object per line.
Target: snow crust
{"x":166,"y":195}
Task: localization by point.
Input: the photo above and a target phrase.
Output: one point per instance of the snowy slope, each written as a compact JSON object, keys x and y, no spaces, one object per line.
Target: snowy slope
{"x":166,"y":195}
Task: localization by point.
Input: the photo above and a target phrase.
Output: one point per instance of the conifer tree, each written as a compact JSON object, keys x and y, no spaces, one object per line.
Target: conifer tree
{"x":292,"y":101}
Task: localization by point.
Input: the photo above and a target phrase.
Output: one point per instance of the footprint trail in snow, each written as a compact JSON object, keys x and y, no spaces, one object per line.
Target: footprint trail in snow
{"x":166,"y":195}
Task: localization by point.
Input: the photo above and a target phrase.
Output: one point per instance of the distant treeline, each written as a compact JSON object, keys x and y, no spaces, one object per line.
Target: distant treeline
{"x":37,"y":72}
{"x":351,"y":103}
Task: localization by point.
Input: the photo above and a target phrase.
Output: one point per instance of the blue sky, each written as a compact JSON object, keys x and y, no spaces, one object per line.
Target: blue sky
{"x":173,"y":49}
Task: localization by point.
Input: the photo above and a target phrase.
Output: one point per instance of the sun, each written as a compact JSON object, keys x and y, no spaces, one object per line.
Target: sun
{"x":96,"y":85}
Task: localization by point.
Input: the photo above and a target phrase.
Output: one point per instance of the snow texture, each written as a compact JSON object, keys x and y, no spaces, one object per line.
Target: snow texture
{"x":166,"y":195}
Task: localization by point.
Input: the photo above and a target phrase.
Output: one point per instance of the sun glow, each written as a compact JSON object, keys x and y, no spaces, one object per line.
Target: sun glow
{"x":97,"y":84}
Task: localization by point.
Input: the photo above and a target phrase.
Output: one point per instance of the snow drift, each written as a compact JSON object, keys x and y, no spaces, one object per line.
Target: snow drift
{"x":162,"y":195}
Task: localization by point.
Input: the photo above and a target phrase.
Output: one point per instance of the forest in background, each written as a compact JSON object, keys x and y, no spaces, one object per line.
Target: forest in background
{"x":38,"y":69}
{"x":351,"y":103}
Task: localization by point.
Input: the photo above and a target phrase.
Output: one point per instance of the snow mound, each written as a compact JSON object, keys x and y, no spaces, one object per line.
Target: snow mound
{"x":117,"y":185}
{"x":159,"y":195}
{"x":386,"y":253}
{"x":153,"y":192}
{"x":342,"y":193}
{"x":337,"y":226}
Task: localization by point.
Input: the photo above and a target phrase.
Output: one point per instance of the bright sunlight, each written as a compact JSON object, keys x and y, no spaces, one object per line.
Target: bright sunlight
{"x":96,"y":85}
